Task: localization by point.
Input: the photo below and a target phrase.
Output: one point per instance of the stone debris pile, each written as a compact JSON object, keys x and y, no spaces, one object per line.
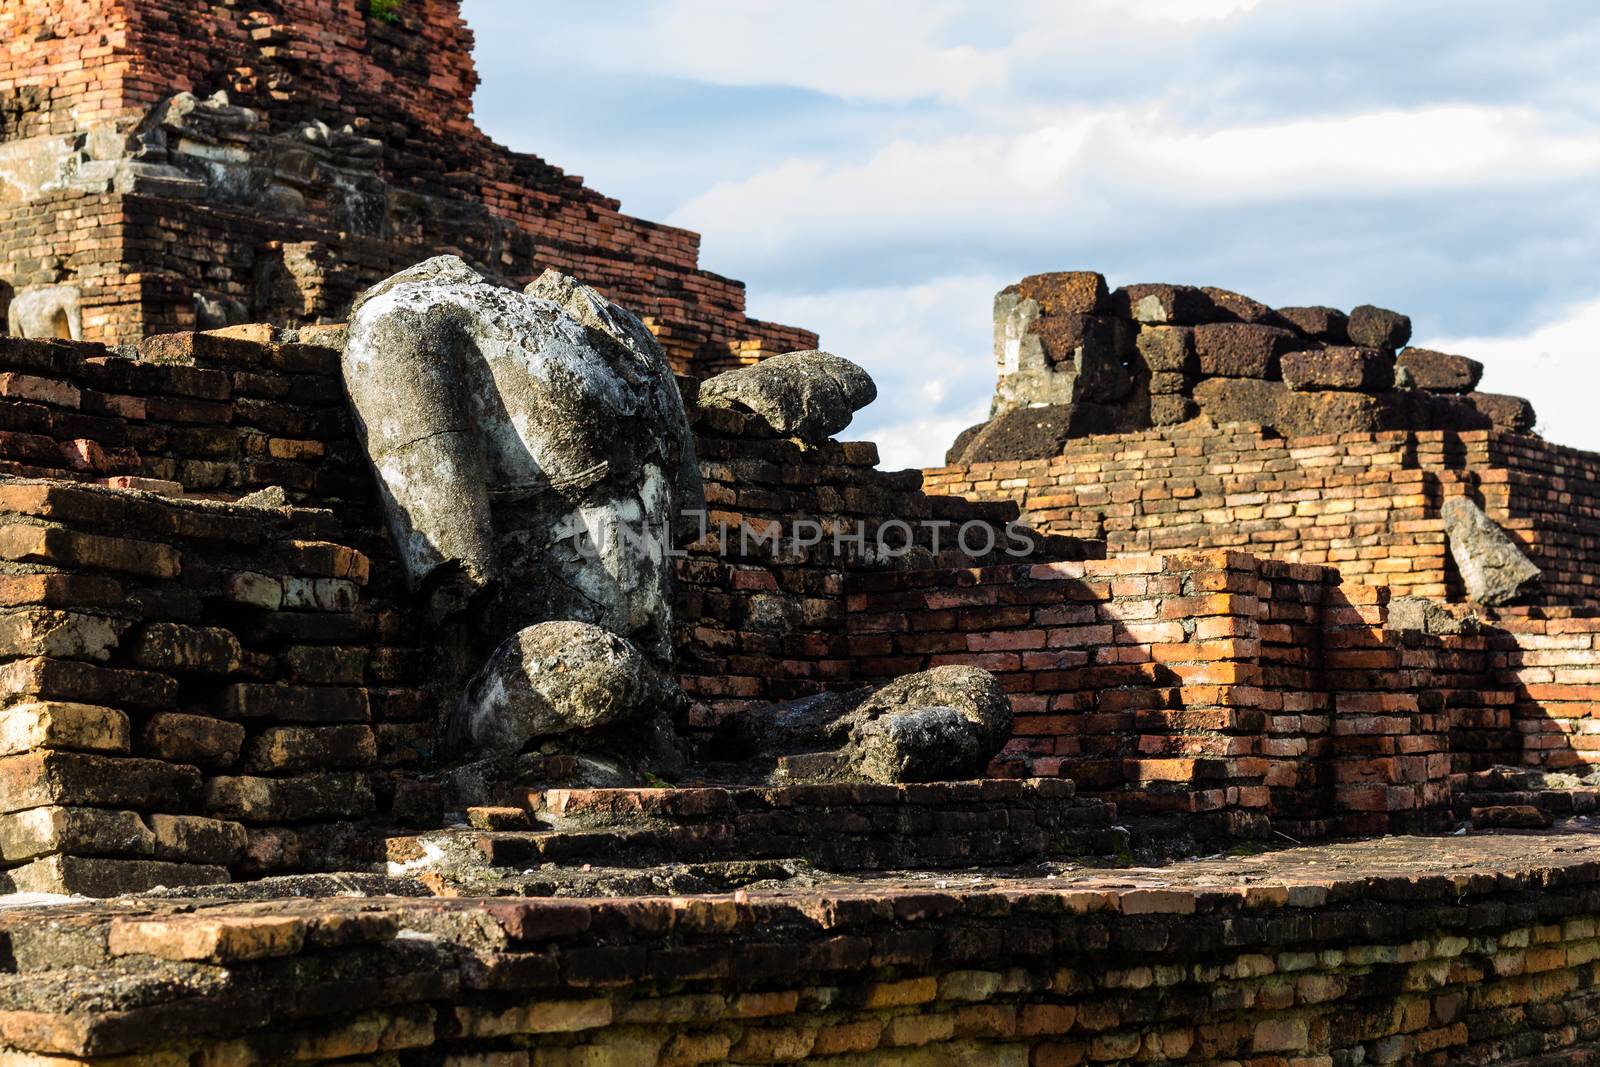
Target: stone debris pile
{"x":1077,"y":358}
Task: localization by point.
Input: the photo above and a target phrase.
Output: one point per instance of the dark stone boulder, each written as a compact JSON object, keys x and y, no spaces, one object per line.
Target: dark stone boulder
{"x":1171,"y":410}
{"x":1165,"y":305}
{"x":1167,"y":348}
{"x":1242,"y":350}
{"x":555,"y":679}
{"x":1035,"y":432}
{"x":1421,"y":615}
{"x":1375,"y":327}
{"x":1439,"y":372}
{"x":1241,"y":307}
{"x":1080,"y":292}
{"x":940,"y":724}
{"x":1275,"y":406}
{"x":1319,"y":323}
{"x":810,"y":395}
{"x":1511,"y":413}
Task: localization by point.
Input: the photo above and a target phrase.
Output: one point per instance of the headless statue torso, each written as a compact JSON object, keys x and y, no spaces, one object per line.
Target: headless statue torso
{"x":533,"y":444}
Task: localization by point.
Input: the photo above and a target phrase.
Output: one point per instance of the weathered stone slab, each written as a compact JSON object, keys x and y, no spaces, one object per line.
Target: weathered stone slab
{"x":38,"y":779}
{"x":280,"y":749}
{"x":1493,"y":568}
{"x":1439,"y":372}
{"x":26,"y":835}
{"x":171,"y":646}
{"x":100,"y":877}
{"x":329,"y":796}
{"x":58,"y":725}
{"x":295,"y":703}
{"x":1169,"y":305}
{"x":198,"y":938}
{"x":1512,"y":413}
{"x":197,"y":739}
{"x":1167,"y":348}
{"x":1243,"y":308}
{"x":60,"y":634}
{"x":1319,"y":323}
{"x":74,"y":681}
{"x":1369,"y":370}
{"x":1242,"y":350}
{"x":195,"y":839}
{"x":1079,"y":292}
{"x":63,"y":547}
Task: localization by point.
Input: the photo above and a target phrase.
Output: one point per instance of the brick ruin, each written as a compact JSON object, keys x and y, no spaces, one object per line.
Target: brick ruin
{"x":1276,"y":793}
{"x":167,"y":166}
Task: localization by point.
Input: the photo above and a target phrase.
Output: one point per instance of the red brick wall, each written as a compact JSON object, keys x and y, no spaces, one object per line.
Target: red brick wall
{"x":64,"y":65}
{"x":762,"y":624}
{"x":1211,"y":683}
{"x":1546,"y":681}
{"x":1365,"y":503}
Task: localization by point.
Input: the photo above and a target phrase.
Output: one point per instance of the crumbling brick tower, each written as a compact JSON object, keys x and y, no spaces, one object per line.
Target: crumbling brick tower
{"x":181,"y":164}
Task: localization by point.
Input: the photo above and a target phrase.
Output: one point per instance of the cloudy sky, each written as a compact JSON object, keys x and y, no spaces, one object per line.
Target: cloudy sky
{"x":875,"y":169}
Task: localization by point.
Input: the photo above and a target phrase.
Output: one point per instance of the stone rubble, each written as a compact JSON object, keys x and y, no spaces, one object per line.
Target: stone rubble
{"x":1077,"y":359}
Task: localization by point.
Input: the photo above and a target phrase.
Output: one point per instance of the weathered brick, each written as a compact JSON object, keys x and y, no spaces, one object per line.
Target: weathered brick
{"x":25,"y":835}
{"x":300,"y":748}
{"x":332,"y":795}
{"x":197,"y":739}
{"x":55,"y":725}
{"x":209,"y":939}
{"x":71,"y":548}
{"x":37,"y":779}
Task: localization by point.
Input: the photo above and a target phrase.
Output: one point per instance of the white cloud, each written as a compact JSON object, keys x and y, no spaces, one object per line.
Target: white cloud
{"x":1438,"y":157}
{"x":1554,"y":366}
{"x":1180,"y":10}
{"x":1058,"y":173}
{"x":894,"y":50}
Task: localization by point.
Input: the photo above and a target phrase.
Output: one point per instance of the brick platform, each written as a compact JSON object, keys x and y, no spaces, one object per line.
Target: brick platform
{"x":1478,"y":950}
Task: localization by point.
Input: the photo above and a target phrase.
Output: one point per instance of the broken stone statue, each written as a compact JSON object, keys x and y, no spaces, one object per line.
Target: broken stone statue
{"x":47,"y":311}
{"x":535,"y":462}
{"x":810,"y":395}
{"x":1493,"y":569}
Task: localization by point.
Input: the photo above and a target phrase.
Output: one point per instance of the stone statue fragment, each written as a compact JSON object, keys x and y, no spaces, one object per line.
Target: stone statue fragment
{"x":1493,"y":569}
{"x":809,"y":395}
{"x":535,"y":462}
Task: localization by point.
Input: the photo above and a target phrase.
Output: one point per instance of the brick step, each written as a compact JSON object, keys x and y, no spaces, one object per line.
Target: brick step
{"x":843,"y":826}
{"x":1559,"y":802}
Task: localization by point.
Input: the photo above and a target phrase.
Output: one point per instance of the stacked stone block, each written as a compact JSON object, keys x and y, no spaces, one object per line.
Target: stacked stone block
{"x":841,"y":826}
